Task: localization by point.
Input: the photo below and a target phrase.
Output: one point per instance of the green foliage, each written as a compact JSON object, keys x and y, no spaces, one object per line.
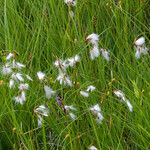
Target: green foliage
{"x":39,"y":32}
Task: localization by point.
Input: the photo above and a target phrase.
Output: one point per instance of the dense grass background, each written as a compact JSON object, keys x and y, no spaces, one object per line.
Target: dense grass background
{"x":39,"y":31}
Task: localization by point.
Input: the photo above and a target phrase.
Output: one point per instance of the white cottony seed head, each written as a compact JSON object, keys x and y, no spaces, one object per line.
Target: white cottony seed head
{"x":90,"y":88}
{"x":17,"y":65}
{"x":40,"y":75}
{"x":29,"y":78}
{"x":64,"y":79}
{"x":11,"y":83}
{"x":17,"y":77}
{"x":6,"y":70}
{"x":92,"y":148}
{"x":48,"y":92}
{"x":120,"y":94}
{"x":61,"y":65}
{"x":67,"y":81}
{"x":9,"y":56}
{"x":141,"y":50}
{"x":71,"y":2}
{"x":95,"y":109}
{"x":73,"y":60}
{"x":93,"y":39}
{"x":40,"y":120}
{"x":42,"y":110}
{"x":84,"y":93}
{"x":94,"y":52}
{"x":72,"y":116}
{"x":99,"y":118}
{"x":140,"y":41}
{"x":23,"y":86}
{"x":123,"y":99}
{"x":21,"y":98}
{"x":137,"y":53}
{"x":129,"y":105}
{"x":71,"y":107}
{"x":105,"y":54}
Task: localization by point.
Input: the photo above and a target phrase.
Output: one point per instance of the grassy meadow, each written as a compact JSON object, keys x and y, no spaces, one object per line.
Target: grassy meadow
{"x":39,"y":32}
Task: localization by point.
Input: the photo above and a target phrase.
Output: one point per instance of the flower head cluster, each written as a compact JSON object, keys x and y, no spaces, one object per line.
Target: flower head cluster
{"x":41,"y":75}
{"x":63,"y":78}
{"x":69,"y":110}
{"x":123,"y":99}
{"x":92,"y":148}
{"x":96,"y":110}
{"x":66,"y":108}
{"x":95,"y":52}
{"x":93,"y":39}
{"x":20,"y":98}
{"x":71,"y":2}
{"x":140,"y":47}
{"x":89,"y":89}
{"x":49,"y":92}
{"x":73,"y":60}
{"x":62,"y":66}
{"x":10,"y":65}
{"x":13,"y":70}
{"x":41,"y":111}
{"x":105,"y":53}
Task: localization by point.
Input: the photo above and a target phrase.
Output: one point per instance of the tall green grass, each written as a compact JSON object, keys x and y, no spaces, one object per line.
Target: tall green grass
{"x":39,"y":31}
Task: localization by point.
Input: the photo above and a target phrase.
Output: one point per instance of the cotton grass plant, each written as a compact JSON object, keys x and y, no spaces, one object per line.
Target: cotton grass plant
{"x":59,"y":88}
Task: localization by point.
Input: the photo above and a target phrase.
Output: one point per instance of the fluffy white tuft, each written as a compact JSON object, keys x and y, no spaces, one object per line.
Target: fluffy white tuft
{"x":11,"y":83}
{"x":105,"y":54}
{"x":72,"y":116}
{"x":23,"y":86}
{"x":40,"y":120}
{"x":17,"y":77}
{"x":6,"y":70}
{"x":140,"y":41}
{"x":90,"y":88}
{"x":68,"y":108}
{"x":84,"y":93}
{"x":92,"y":148}
{"x":93,"y":39}
{"x":94,"y":52}
{"x":9,"y":56}
{"x":21,"y":98}
{"x":42,"y":110}
{"x":95,"y":109}
{"x":64,"y":79}
{"x":48,"y":92}
{"x":71,"y":2}
{"x":40,"y":75}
